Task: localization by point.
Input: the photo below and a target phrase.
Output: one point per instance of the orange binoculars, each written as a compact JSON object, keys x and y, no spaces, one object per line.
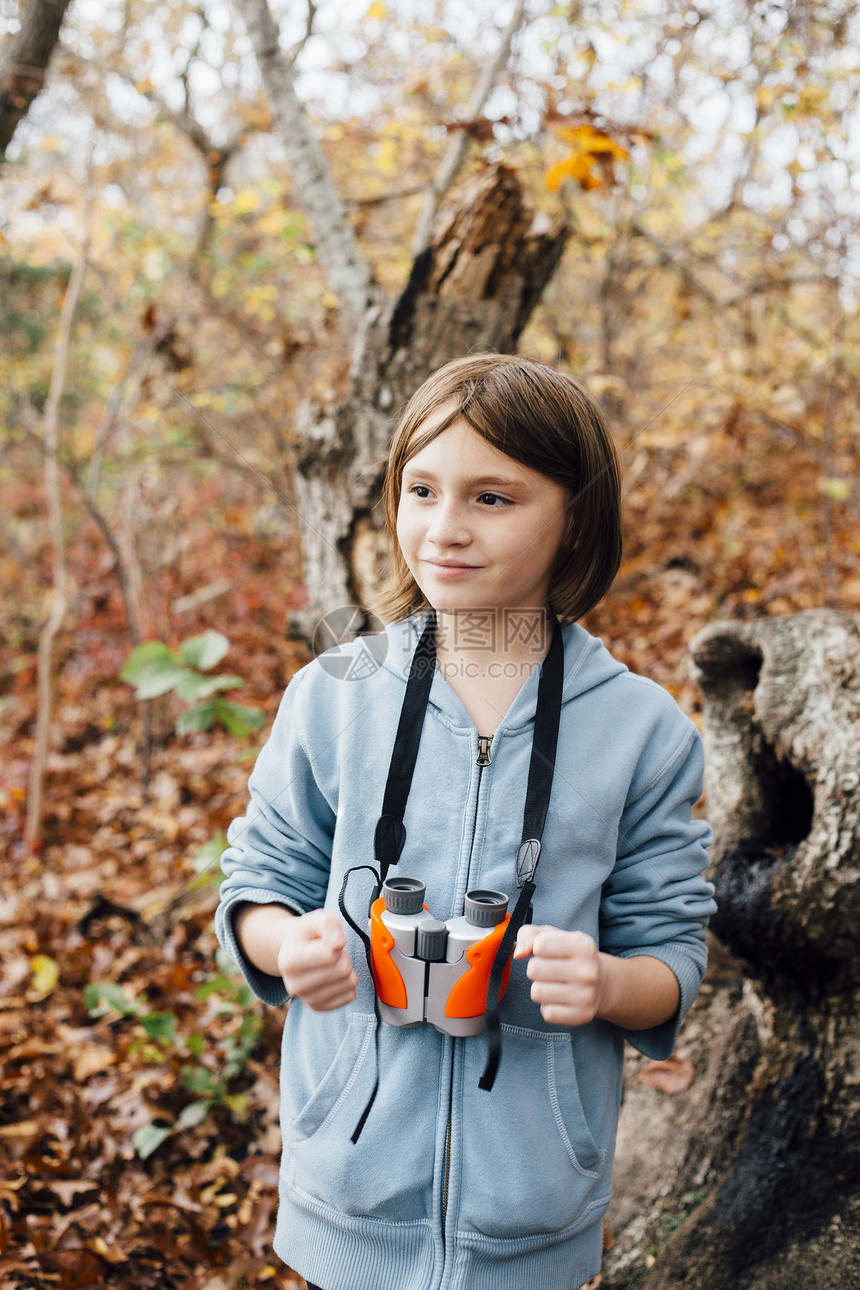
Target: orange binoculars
{"x":427,"y":970}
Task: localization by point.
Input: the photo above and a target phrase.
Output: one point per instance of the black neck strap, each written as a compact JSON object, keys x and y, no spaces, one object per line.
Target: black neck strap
{"x":390,"y":833}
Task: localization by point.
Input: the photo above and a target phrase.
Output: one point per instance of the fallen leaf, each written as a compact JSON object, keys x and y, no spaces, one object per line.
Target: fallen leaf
{"x":110,"y":1253}
{"x":45,"y":973}
{"x":78,"y":1267}
{"x":91,"y":1059}
{"x":670,"y":1076}
{"x":23,"y":1129}
{"x":66,"y":1188}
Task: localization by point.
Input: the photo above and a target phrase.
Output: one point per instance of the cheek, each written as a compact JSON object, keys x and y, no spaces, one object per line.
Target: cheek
{"x":404,"y":530}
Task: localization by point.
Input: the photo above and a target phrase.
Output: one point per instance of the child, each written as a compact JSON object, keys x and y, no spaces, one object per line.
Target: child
{"x":503,"y":493}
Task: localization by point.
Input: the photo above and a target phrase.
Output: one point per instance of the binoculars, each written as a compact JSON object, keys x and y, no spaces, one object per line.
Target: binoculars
{"x":426,"y":970}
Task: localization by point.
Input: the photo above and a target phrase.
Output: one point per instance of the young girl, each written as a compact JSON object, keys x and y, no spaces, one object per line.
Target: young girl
{"x":404,"y":1164}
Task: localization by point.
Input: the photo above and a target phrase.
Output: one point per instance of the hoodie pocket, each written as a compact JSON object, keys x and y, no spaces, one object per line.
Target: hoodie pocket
{"x":530,"y":1164}
{"x":327,"y":1097}
{"x":388,"y":1173}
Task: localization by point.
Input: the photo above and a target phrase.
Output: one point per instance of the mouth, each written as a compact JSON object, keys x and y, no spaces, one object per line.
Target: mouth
{"x":452,"y":566}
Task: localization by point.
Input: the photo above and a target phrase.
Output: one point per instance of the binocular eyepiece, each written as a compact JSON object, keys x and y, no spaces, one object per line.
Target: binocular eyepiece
{"x":428,"y":970}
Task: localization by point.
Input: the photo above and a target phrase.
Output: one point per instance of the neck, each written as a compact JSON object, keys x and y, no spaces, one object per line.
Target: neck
{"x":485,"y":635}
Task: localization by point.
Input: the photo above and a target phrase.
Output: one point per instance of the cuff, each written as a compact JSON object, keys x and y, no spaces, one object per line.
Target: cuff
{"x":659,"y":1041}
{"x":270,"y":989}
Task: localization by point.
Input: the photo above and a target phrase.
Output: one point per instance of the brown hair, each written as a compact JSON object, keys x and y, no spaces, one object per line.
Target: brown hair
{"x":544,"y":419}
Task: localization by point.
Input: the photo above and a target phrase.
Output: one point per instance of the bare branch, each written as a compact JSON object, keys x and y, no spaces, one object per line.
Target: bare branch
{"x":59,"y":603}
{"x":381,"y":198}
{"x":347,"y":270}
{"x":456,"y":149}
{"x":309,"y":27}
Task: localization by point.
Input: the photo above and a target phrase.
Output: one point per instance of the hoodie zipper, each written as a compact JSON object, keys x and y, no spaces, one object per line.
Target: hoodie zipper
{"x":483,"y":759}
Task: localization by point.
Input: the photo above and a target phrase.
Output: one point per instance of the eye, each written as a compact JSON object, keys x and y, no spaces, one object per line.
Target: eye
{"x":419,"y":490}
{"x":494,"y":500}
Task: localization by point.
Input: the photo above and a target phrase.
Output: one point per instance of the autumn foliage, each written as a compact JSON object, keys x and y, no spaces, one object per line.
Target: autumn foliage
{"x":708,"y":296}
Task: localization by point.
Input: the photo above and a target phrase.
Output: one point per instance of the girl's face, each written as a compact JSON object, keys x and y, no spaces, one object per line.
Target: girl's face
{"x":477,"y":529}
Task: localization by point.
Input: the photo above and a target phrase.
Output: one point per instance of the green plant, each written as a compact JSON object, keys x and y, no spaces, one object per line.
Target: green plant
{"x":205,"y":1064}
{"x":153,"y":668}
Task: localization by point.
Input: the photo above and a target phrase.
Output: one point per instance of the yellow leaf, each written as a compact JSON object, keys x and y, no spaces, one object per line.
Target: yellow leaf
{"x":245,"y":201}
{"x":45,"y":973}
{"x":272,"y":223}
{"x":576,"y":166}
{"x":376,"y":11}
{"x":329,"y":299}
{"x":587,"y":146}
{"x":386,"y":156}
{"x":586,"y":138}
{"x":812,"y":98}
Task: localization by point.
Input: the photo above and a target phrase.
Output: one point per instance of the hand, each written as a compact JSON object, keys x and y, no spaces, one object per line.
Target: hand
{"x":313,"y":962}
{"x":565,"y":971}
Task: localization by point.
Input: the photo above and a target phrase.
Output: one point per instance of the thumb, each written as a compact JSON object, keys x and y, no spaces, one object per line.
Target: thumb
{"x":525,"y":941}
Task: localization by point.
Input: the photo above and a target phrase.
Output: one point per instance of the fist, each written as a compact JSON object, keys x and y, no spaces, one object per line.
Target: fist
{"x":564,"y":969}
{"x":313,"y":961}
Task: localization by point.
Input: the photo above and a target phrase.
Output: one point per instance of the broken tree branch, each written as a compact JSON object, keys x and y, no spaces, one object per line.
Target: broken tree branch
{"x":456,"y":150}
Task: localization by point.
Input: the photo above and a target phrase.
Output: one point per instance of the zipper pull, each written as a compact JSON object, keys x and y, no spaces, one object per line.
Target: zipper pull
{"x":483,"y":758}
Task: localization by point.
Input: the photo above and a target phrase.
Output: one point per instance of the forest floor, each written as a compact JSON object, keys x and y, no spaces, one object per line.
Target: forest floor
{"x":138,"y":1086}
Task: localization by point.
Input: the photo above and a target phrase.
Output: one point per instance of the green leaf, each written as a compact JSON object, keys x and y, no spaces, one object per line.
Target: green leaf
{"x":237,"y":718}
{"x":193,"y":1114}
{"x":160,"y":1025}
{"x":217,"y":984}
{"x":194,"y":686}
{"x":152,"y":664}
{"x":149,"y":1138}
{"x":206,"y":650}
{"x":199,"y":1079}
{"x":153,"y":669}
{"x":237,"y":1103}
{"x":201,"y":716}
{"x":114,"y":997}
{"x":210,"y":853}
{"x":838,"y":489}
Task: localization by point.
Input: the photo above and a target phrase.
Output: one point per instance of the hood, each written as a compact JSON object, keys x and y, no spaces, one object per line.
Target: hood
{"x":587,"y":663}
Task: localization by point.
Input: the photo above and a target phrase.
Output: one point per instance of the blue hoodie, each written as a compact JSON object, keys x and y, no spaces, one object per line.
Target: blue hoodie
{"x":450,"y":1187}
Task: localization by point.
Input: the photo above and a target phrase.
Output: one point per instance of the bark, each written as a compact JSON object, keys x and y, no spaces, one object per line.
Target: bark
{"x":778,"y":1161}
{"x":475,"y":279}
{"x":473,"y":288}
{"x":25,"y":61}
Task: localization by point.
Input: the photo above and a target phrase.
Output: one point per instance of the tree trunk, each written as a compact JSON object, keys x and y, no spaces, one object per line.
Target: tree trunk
{"x":25,"y":61}
{"x":781,"y":1166}
{"x":473,"y":288}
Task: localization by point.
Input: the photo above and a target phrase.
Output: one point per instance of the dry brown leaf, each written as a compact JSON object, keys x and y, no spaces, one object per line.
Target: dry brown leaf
{"x":671,"y":1076}
{"x":91,"y":1059}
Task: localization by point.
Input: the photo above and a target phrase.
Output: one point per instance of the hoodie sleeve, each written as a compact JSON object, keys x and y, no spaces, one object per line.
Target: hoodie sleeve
{"x":656,"y":901}
{"x":280,"y":851}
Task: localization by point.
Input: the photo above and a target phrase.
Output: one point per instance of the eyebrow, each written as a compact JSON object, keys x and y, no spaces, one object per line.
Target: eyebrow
{"x":477,"y":481}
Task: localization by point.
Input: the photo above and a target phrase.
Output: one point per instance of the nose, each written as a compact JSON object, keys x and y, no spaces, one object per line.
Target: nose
{"x":447,"y":526}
